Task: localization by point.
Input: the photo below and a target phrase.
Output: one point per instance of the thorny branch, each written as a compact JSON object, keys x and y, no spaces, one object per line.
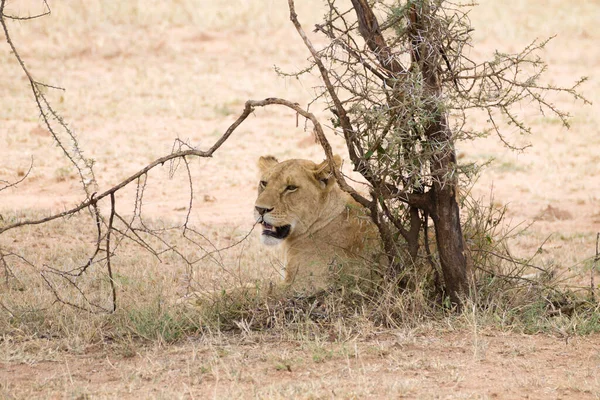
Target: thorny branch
{"x":132,"y":233}
{"x":15,"y":183}
{"x":83,"y":165}
{"x":17,"y":18}
{"x":109,"y":230}
{"x":399,"y":86}
{"x":349,"y":132}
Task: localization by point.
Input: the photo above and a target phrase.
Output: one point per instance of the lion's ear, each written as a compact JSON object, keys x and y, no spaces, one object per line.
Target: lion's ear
{"x":324,"y":173}
{"x":267,"y":162}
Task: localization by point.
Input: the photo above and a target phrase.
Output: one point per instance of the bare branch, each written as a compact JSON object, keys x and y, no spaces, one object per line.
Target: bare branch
{"x":322,"y":140}
{"x":340,"y":110}
{"x":83,"y":165}
{"x":17,"y":18}
{"x":93,"y":199}
{"x":15,"y":183}
{"x":108,"y":266}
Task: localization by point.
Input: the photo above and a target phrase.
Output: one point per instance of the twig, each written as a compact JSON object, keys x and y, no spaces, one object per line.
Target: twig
{"x":96,"y":214}
{"x":340,"y":110}
{"x":594,"y":268}
{"x":7,"y":270}
{"x":61,"y":299}
{"x":108,"y":266}
{"x":191,"y":203}
{"x":15,"y":183}
{"x":322,"y":140}
{"x":14,"y":17}
{"x":47,"y":111}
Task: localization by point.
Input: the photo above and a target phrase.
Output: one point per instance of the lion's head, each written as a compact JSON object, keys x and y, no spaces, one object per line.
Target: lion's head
{"x":294,"y":196}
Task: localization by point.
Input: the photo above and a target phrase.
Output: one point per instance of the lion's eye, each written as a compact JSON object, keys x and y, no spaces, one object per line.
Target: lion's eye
{"x":263,"y":184}
{"x":291,"y":188}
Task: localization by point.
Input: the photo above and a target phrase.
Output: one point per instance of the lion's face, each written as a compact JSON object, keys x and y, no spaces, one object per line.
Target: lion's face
{"x":291,"y":197}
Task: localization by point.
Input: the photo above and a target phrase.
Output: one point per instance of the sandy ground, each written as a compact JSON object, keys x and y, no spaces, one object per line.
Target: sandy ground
{"x":137,"y":78}
{"x":449,"y":366}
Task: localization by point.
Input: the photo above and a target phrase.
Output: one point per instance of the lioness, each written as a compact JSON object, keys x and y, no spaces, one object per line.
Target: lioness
{"x":322,"y":230}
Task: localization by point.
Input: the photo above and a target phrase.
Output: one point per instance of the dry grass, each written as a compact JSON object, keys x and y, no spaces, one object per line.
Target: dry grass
{"x":138,"y":75}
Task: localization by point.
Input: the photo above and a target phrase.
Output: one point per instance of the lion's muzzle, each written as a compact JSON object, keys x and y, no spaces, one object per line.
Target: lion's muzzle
{"x":277,"y":232}
{"x":271,"y":234}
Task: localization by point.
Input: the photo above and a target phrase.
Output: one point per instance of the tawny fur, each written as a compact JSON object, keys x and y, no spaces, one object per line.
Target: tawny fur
{"x":331,"y":234}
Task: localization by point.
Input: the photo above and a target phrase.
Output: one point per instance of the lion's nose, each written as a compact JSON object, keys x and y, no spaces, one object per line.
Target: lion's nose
{"x":263,"y":211}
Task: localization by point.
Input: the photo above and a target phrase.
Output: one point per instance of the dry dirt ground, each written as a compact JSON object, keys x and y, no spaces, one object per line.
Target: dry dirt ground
{"x":140,"y":74}
{"x":487,"y":365}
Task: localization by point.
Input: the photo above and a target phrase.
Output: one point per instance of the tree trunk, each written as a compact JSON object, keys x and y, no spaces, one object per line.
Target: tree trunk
{"x":449,"y":240}
{"x":444,"y":207}
{"x":441,"y":204}
{"x":448,"y":232}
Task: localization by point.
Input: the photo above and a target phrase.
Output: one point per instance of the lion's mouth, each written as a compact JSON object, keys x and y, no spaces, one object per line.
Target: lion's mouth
{"x":278,"y":232}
